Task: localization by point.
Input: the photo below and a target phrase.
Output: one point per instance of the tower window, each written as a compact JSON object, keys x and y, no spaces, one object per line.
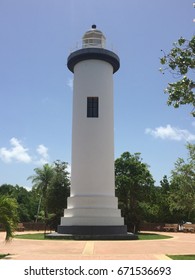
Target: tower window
{"x":92,"y":107}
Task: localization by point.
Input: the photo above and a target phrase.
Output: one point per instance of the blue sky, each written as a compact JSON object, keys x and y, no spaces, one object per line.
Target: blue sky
{"x":36,"y":37}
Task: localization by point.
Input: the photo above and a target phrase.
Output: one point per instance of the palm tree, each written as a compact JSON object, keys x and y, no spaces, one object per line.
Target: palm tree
{"x":41,"y":180}
{"x":8,"y":215}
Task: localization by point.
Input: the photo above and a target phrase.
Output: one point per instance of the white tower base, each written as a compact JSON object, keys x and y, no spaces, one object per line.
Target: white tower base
{"x":94,"y":220}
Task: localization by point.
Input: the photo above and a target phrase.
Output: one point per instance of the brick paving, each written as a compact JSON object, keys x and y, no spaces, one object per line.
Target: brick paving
{"x":22,"y":249}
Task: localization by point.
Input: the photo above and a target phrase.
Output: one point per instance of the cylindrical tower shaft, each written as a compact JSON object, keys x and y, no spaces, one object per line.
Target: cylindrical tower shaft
{"x":92,"y":129}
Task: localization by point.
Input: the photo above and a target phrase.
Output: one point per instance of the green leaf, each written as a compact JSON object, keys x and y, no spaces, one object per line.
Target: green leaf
{"x":181,"y":41}
{"x":163,"y":60}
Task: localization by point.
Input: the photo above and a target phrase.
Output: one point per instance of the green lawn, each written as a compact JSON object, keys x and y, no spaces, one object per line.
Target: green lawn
{"x":36,"y":236}
{"x":3,"y":256}
{"x":182,"y":257}
{"x":141,"y":236}
{"x":152,"y":236}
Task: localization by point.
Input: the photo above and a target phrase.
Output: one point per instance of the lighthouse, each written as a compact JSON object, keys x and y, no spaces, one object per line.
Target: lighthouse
{"x":92,"y":208}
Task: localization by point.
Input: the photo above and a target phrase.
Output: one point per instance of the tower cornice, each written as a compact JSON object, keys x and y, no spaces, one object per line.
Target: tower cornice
{"x":93,"y":53}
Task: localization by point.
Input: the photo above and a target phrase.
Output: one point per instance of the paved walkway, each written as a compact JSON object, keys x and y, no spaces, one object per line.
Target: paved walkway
{"x":21,"y":249}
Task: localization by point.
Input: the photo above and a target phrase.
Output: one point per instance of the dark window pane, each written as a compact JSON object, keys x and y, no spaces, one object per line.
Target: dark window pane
{"x":92,"y":107}
{"x":90,"y":113}
{"x":95,"y":112}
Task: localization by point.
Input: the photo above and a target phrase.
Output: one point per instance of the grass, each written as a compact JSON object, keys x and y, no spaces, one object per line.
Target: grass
{"x":2,"y":256}
{"x":141,"y":236}
{"x":35,"y":236}
{"x":152,"y":236}
{"x":182,"y":257}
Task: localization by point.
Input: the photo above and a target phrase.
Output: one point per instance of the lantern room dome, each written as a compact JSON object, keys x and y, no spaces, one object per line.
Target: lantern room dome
{"x":93,"y":38}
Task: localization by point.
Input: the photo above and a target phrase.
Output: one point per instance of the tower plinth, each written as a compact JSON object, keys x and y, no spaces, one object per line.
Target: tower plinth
{"x":92,"y":208}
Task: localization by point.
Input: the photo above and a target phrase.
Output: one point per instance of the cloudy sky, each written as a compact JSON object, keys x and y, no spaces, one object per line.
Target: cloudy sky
{"x":36,"y":36}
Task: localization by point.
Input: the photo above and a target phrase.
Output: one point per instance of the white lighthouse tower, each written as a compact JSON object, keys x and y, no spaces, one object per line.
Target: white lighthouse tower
{"x":92,"y":208}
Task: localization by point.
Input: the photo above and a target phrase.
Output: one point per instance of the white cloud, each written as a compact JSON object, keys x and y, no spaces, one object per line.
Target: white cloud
{"x":70,"y":83}
{"x":171,"y":133}
{"x":43,"y":152}
{"x":69,"y":170}
{"x":17,"y":152}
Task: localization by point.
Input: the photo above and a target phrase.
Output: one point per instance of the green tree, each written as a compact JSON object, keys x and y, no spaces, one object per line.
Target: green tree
{"x":22,"y":197}
{"x":6,"y":189}
{"x":182,"y":192}
{"x":26,"y":200}
{"x":58,"y":192}
{"x":133,"y":188}
{"x":8,"y":215}
{"x":162,"y":200}
{"x":41,"y":180}
{"x":165,"y":215}
{"x":180,"y":61}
